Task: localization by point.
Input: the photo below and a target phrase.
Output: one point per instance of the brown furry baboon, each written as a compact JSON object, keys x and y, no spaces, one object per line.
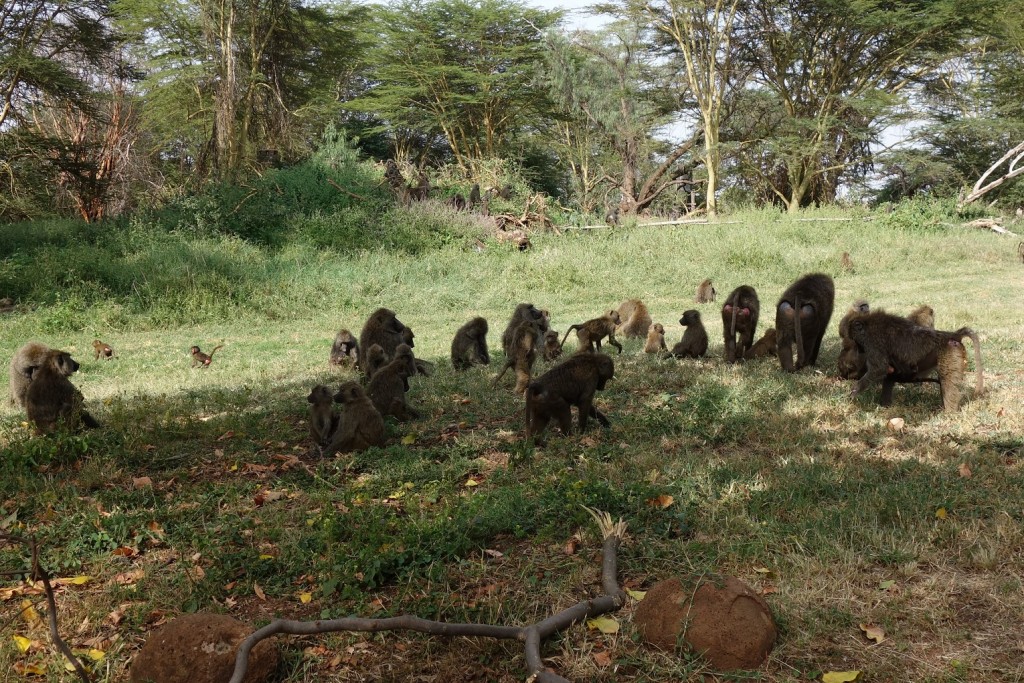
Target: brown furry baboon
{"x":765,"y":346}
{"x":694,"y":343}
{"x":345,"y":349}
{"x":656,"y":339}
{"x":404,"y":353}
{"x":474,"y":195}
{"x":739,"y":316}
{"x":591,"y":332}
{"x":52,"y":398}
{"x":469,"y":347}
{"x":705,"y":292}
{"x":24,"y":363}
{"x":801,"y":317}
{"x":201,"y":359}
{"x":923,"y":316}
{"x":851,"y":364}
{"x":897,"y":350}
{"x":383,"y":328}
{"x":322,"y":418}
{"x":636,"y":319}
{"x":846,"y":263}
{"x":102,"y":349}
{"x":408,"y":337}
{"x":388,"y":385}
{"x":375,"y":360}
{"x":552,"y":349}
{"x":361,"y":425}
{"x":1020,"y":252}
{"x":522,"y":352}
{"x":522,"y":313}
{"x":570,"y":383}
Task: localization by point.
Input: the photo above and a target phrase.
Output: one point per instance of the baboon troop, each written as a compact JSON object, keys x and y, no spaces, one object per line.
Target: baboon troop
{"x":201,"y":359}
{"x":739,"y":316}
{"x":801,"y":317}
{"x":322,"y":419}
{"x":846,"y":263}
{"x":694,"y":343}
{"x":345,"y":349}
{"x":51,"y":397}
{"x":552,"y":349}
{"x":591,"y":332}
{"x":656,"y":339}
{"x":705,"y":292}
{"x":469,"y":347}
{"x":765,"y":346}
{"x":360,"y":426}
{"x":636,"y":319}
{"x":25,"y":362}
{"x":572,"y":382}
{"x":102,"y":349}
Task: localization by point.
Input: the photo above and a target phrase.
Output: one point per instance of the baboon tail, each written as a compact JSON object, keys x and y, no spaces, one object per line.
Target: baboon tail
{"x":968,"y":332}
{"x":732,"y":327}
{"x":501,"y":374}
{"x":796,"y":330}
{"x":571,"y":328}
{"x":219,"y":346}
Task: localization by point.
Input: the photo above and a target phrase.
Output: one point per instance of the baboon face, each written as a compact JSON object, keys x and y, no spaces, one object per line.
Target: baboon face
{"x":408,"y":336}
{"x":194,"y":350}
{"x":386,"y":319}
{"x":349,"y":392}
{"x":319,"y":394}
{"x":63,"y":363}
{"x":614,"y":315}
{"x":690,"y":317}
{"x":659,"y":328}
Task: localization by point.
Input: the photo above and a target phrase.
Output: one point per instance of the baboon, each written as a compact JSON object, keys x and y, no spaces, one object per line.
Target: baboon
{"x":457,"y":201}
{"x":523,"y":313}
{"x":322,"y":418}
{"x":361,"y":425}
{"x":694,"y":343}
{"x":923,"y":316}
{"x":522,"y":352}
{"x":345,"y":349}
{"x":897,"y":350}
{"x":739,"y":316}
{"x":846,"y":263}
{"x":7,"y":305}
{"x":656,"y":339}
{"x":408,"y":337}
{"x":1020,"y":252}
{"x":570,"y":383}
{"x":102,"y":349}
{"x":421,"y":191}
{"x":802,"y":316}
{"x":552,"y":349}
{"x":24,"y":363}
{"x":388,"y":385}
{"x":375,"y":360}
{"x":51,"y":397}
{"x":591,"y":332}
{"x":850,"y":363}
{"x":612,"y":217}
{"x":636,"y":319}
{"x":383,"y":328}
{"x":505,"y":191}
{"x":705,"y":292}
{"x":201,"y":359}
{"x":474,"y":195}
{"x":764,"y":347}
{"x":469,"y":347}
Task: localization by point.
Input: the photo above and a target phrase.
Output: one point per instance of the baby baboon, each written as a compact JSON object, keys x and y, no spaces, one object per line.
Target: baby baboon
{"x":571,"y":383}
{"x":388,"y":385}
{"x":523,"y":312}
{"x":923,"y":316}
{"x":383,"y":328}
{"x":846,"y":263}
{"x":361,"y":425}
{"x":322,"y":418}
{"x":469,"y":347}
{"x":705,"y":292}
{"x":102,"y":349}
{"x":375,"y":360}
{"x":636,"y":319}
{"x":522,"y":352}
{"x":24,"y":363}
{"x":694,"y":343}
{"x":739,"y":316}
{"x":897,"y":350}
{"x":802,"y":316}
{"x":51,"y":397}
{"x":591,"y":332}
{"x":765,"y":346}
{"x":656,"y":339}
{"x":851,"y":364}
{"x":201,"y":359}
{"x":345,"y":349}
{"x":552,"y":349}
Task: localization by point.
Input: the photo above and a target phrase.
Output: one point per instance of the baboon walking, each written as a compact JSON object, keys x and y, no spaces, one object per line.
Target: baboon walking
{"x":591,"y":332}
{"x":570,"y":383}
{"x":527,"y":339}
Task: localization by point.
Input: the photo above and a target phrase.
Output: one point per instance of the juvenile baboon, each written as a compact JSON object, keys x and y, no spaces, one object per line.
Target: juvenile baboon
{"x":552,"y":349}
{"x":102,"y":349}
{"x":591,"y":332}
{"x":612,"y":217}
{"x":388,"y":385}
{"x":705,"y":292}
{"x":408,"y":337}
{"x":345,"y":349}
{"x":523,"y":313}
{"x":739,"y":316}
{"x":850,"y":363}
{"x":51,"y":397}
{"x":404,"y":353}
{"x":522,"y":352}
{"x":897,"y":350}
{"x":765,"y":346}
{"x":375,"y":360}
{"x":469,"y":347}
{"x":504,"y":192}
{"x":474,"y":195}
{"x":201,"y":359}
{"x":802,"y":316}
{"x":636,"y":319}
{"x":570,"y":383}
{"x":383,"y":328}
{"x":457,"y":202}
{"x":322,"y":418}
{"x":694,"y":343}
{"x":361,"y":425}
{"x":923,"y":316}
{"x":846,"y":263}
{"x":656,"y":339}
{"x":24,"y":363}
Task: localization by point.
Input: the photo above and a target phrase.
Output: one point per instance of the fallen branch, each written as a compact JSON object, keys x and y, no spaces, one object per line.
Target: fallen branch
{"x":339,"y":188}
{"x":1014,"y":157}
{"x":531,"y":636}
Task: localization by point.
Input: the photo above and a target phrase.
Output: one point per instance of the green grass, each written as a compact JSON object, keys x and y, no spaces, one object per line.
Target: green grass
{"x":766,"y":471}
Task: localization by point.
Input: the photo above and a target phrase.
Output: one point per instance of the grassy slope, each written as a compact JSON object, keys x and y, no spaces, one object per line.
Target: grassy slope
{"x":766,"y":471}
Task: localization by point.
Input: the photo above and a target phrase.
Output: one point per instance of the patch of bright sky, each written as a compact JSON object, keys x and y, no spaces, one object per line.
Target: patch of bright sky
{"x":577,"y":15}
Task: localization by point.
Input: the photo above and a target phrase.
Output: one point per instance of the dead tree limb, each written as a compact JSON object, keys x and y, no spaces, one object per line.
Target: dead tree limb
{"x":980,"y":189}
{"x":531,"y":636}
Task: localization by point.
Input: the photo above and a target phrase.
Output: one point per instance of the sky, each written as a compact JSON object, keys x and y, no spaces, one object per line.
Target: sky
{"x":576,"y":15}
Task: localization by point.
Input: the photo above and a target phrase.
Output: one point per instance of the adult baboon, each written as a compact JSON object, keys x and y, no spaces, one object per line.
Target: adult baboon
{"x":523,"y":313}
{"x":846,"y":263}
{"x":201,"y":359}
{"x":522,"y":352}
{"x":850,"y":363}
{"x":361,"y":425}
{"x":383,"y":328}
{"x":739,"y":316}
{"x":322,"y":418}
{"x":102,"y":349}
{"x":388,"y":385}
{"x":802,"y":316}
{"x":345,"y":349}
{"x":705,"y":292}
{"x":469,"y":347}
{"x":591,"y":332}
{"x":656,"y":339}
{"x":552,"y":349}
{"x":765,"y":346}
{"x":51,"y":397}
{"x":897,"y":350}
{"x":694,"y":343}
{"x":24,"y":363}
{"x":570,"y":383}
{"x":923,"y":316}
{"x":636,"y":319}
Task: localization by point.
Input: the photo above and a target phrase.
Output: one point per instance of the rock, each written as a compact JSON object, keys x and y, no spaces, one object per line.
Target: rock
{"x":718,"y":616}
{"x":200,"y":648}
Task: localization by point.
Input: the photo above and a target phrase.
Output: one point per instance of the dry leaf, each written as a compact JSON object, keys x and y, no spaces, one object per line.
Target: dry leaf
{"x":258,"y":591}
{"x":886,"y":585}
{"x":570,"y":547}
{"x":964,"y":470}
{"x":605,"y":625}
{"x":636,"y":595}
{"x":769,"y":590}
{"x":897,"y":424}
{"x":494,"y":553}
{"x":873,"y":632}
{"x":141,"y":482}
{"x":74,"y":580}
{"x":602,"y":659}
{"x":840,"y":677}
{"x":471,"y":482}
{"x":123,"y":551}
{"x":940,"y":513}
{"x":408,"y":439}
{"x":22,"y":642}
{"x":23,"y":668}
{"x":305,"y":597}
{"x":29,"y":613}
{"x":662,"y":501}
